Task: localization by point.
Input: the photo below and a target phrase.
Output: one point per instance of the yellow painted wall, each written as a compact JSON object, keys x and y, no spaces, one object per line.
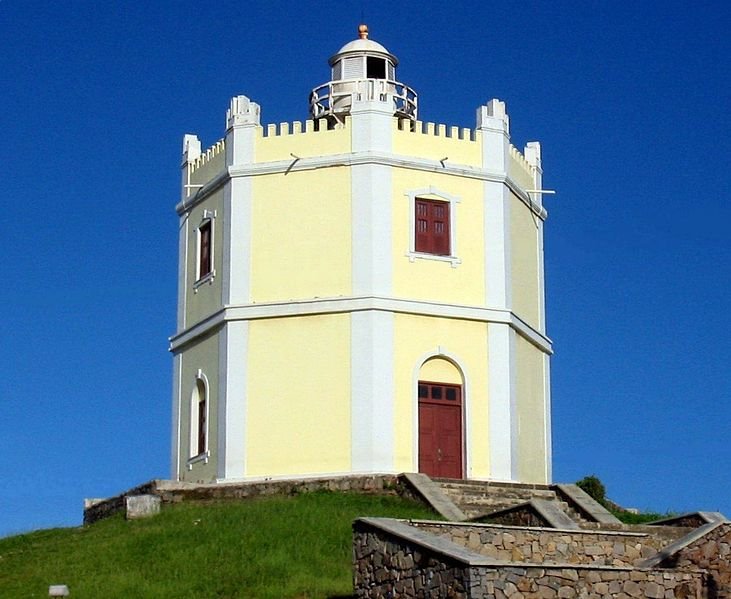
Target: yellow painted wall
{"x":305,"y":144}
{"x":531,"y":415}
{"x":203,"y":355}
{"x":205,"y":299}
{"x":439,"y":370}
{"x":415,"y":336}
{"x":433,"y":280}
{"x":435,"y":147}
{"x":301,"y":246}
{"x":298,"y":397}
{"x":524,"y":259}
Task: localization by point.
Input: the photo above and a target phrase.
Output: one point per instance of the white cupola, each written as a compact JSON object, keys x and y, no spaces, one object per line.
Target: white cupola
{"x":362,"y":70}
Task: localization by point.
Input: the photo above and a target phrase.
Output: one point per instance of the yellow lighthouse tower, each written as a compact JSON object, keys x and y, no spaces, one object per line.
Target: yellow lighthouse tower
{"x":362,"y":292}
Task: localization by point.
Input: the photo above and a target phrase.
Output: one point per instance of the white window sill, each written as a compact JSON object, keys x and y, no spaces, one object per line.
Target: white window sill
{"x":203,"y":280}
{"x":201,"y":457}
{"x":454,"y":261}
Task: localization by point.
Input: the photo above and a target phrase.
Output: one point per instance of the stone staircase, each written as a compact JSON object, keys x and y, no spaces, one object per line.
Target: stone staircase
{"x":480,"y":499}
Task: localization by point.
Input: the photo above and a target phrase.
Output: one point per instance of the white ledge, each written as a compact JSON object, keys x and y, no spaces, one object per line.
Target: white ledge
{"x":339,"y":305}
{"x":358,"y":158}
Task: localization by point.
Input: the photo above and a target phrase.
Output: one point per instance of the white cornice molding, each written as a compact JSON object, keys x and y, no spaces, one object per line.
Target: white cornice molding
{"x":341,"y":305}
{"x":356,"y":158}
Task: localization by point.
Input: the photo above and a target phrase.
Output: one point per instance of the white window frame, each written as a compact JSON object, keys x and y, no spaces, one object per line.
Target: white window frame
{"x":433,"y":193}
{"x":207,"y":216}
{"x":195,"y":399}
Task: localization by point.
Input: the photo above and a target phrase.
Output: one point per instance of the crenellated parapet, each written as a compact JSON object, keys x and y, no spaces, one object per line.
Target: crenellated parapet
{"x":520,"y":170}
{"x":209,"y":155}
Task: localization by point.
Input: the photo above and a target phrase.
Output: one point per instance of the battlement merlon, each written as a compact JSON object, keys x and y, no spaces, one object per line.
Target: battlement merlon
{"x":242,"y":120}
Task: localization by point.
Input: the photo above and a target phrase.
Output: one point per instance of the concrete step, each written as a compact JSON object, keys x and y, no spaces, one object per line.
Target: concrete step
{"x":480,"y":498}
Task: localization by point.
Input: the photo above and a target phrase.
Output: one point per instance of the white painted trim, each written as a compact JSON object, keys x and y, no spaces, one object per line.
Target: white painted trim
{"x":182,"y":272}
{"x":372,"y":391}
{"x":232,"y":411}
{"x":176,"y":416}
{"x":193,"y":423}
{"x":453,"y":200}
{"x":547,"y":417}
{"x":236,"y":262}
{"x":371,"y":226}
{"x":541,"y":278}
{"x":307,"y":476}
{"x":501,"y":402}
{"x":457,"y":362}
{"x":209,"y":276}
{"x":364,"y":157}
{"x":371,"y":129}
{"x":496,"y":226}
{"x":358,"y":304}
{"x":201,"y":457}
{"x":203,"y":280}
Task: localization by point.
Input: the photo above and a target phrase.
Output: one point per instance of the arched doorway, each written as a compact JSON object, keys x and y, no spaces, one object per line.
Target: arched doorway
{"x":441,"y":436}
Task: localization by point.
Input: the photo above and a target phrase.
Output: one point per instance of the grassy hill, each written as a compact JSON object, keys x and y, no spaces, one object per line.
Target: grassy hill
{"x":274,"y":547}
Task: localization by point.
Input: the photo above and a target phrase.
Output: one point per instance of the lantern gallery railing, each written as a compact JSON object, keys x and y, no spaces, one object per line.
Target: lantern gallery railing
{"x":336,"y":97}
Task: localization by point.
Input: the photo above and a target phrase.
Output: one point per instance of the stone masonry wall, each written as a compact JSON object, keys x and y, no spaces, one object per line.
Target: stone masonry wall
{"x":515,"y":582}
{"x":545,"y":545}
{"x":712,"y":552}
{"x":387,"y":565}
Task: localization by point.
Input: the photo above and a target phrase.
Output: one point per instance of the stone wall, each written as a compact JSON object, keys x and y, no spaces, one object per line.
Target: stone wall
{"x":515,"y":582}
{"x":176,"y":492}
{"x":386,"y":566}
{"x":546,"y":545}
{"x":398,"y":559}
{"x":711,"y":552}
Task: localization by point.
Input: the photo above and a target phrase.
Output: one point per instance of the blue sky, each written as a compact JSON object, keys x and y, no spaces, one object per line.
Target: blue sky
{"x":629,"y":100}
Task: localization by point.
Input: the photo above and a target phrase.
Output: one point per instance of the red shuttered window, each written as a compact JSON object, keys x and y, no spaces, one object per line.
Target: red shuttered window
{"x":432,"y":227}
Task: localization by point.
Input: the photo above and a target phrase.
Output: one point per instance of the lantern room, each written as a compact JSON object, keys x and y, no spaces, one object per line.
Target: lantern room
{"x":366,"y":70}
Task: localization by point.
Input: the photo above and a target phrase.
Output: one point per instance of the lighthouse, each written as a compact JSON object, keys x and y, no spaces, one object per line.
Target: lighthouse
{"x":361,"y":292}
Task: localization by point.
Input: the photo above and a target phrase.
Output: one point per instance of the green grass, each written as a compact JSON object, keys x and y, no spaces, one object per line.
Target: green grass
{"x":640,"y":518}
{"x":274,"y":547}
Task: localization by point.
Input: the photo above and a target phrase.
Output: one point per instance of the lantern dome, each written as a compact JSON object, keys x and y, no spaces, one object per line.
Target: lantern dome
{"x":364,"y":70}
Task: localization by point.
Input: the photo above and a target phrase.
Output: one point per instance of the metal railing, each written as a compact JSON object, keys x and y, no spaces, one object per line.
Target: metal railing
{"x":336,"y":97}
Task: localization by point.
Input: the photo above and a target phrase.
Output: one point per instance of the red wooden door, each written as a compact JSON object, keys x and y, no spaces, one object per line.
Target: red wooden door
{"x":440,"y":430}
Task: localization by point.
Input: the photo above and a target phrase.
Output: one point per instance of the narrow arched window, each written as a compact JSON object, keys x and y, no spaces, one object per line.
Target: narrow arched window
{"x":199,"y":418}
{"x":202,"y":417}
{"x":205,"y":248}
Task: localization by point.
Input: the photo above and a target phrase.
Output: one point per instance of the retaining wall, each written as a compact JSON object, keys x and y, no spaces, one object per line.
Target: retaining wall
{"x":391,"y":561}
{"x":549,"y":545}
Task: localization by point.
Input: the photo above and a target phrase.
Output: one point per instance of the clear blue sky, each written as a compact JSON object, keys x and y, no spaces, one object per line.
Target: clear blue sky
{"x":630,"y":100}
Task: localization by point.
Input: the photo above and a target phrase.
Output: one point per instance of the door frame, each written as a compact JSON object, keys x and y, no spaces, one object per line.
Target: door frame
{"x":443,"y":403}
{"x":452,"y":358}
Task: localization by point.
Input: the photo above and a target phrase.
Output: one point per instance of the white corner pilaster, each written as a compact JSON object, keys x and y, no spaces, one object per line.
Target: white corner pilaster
{"x":191,"y":151}
{"x":232,"y":376}
{"x":372,"y":391}
{"x":494,"y":126}
{"x":547,"y":417}
{"x":532,"y":153}
{"x":177,"y":406}
{"x":371,"y":192}
{"x":242,"y":121}
{"x":501,"y":390}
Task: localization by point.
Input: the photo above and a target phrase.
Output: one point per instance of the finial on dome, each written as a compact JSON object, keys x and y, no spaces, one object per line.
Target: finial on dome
{"x":363,"y":31}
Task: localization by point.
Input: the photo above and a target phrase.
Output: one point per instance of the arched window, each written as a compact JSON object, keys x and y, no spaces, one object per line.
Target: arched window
{"x":199,"y":417}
